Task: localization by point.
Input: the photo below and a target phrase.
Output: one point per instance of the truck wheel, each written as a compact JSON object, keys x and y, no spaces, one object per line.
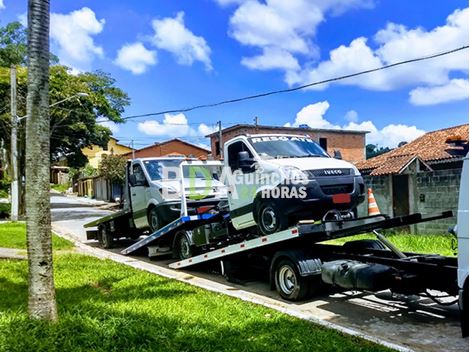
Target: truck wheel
{"x":154,"y":219}
{"x":290,"y":285}
{"x":105,"y":238}
{"x":182,"y":247}
{"x":271,"y":219}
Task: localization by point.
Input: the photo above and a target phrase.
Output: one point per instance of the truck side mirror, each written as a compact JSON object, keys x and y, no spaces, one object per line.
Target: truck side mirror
{"x":244,"y":161}
{"x":132,"y":180}
{"x":338,"y":155}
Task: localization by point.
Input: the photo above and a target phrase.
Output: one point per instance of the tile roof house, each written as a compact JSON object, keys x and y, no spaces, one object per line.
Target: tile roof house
{"x":422,"y":176}
{"x":172,"y":147}
{"x":430,"y":151}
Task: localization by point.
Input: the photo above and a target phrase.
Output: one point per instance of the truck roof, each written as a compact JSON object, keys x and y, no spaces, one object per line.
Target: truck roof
{"x":164,"y":158}
{"x":275,"y":135}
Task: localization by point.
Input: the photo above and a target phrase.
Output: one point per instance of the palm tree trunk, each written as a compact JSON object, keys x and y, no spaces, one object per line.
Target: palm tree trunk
{"x":41,"y":300}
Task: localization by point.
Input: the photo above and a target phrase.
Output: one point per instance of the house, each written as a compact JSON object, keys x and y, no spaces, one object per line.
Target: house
{"x":94,"y":153}
{"x":351,"y":144}
{"x":421,"y":176}
{"x":59,"y":174}
{"x":172,"y":147}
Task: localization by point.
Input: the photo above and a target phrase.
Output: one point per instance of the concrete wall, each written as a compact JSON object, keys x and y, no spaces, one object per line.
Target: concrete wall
{"x":382,"y":189}
{"x":429,"y":192}
{"x":351,"y":145}
{"x":436,"y":192}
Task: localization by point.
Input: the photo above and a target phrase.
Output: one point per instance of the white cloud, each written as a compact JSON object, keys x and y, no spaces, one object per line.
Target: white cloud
{"x":272,"y":58}
{"x":2,"y":5}
{"x":389,"y":136}
{"x":172,"y":35}
{"x":229,"y":2}
{"x":351,"y":116}
{"x":135,"y":57}
{"x":312,"y":115}
{"x":396,"y":43}
{"x":173,"y":126}
{"x":73,"y":34}
{"x":114,"y":127}
{"x":456,"y":89}
{"x":275,"y":26}
{"x":204,"y":130}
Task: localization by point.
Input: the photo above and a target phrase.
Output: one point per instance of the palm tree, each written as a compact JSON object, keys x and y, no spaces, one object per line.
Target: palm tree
{"x":41,"y":298}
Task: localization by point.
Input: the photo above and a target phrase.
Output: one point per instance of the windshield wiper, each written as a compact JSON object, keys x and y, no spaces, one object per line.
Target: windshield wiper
{"x":309,"y":156}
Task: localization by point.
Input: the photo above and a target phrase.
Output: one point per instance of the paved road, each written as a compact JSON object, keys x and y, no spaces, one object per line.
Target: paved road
{"x":422,"y":326}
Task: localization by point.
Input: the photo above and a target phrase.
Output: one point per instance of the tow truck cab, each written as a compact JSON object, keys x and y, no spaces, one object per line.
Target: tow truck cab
{"x":280,"y":179}
{"x":156,"y":184}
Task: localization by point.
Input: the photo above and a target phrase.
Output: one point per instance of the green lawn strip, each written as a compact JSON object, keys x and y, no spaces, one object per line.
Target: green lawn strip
{"x":427,"y":244}
{"x":62,"y":188}
{"x":106,"y":306}
{"x":13,"y":235}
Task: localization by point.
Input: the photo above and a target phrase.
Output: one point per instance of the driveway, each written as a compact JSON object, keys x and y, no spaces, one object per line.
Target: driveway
{"x":420,"y":325}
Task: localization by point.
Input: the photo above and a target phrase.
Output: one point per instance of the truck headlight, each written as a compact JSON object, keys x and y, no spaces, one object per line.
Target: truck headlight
{"x":294,"y":174}
{"x":169,"y":192}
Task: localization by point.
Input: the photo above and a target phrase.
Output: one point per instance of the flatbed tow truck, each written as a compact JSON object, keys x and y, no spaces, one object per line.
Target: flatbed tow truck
{"x":297,"y":261}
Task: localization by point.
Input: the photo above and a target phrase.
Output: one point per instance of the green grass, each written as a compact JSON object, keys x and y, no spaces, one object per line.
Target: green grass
{"x":3,"y":193}
{"x":13,"y":235}
{"x":60,"y":188}
{"x":105,"y":306}
{"x":427,"y":244}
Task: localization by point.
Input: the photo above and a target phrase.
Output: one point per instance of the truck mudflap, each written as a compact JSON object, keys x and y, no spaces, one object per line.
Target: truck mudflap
{"x":351,"y":274}
{"x":91,"y":235}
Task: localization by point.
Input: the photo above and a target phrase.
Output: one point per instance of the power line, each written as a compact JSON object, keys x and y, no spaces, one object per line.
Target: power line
{"x":288,"y":90}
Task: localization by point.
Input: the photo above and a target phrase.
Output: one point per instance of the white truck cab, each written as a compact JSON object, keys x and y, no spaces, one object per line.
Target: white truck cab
{"x":155,"y":186}
{"x":261,"y":191}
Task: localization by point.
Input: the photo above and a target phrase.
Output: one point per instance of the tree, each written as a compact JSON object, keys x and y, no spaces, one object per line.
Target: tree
{"x":74,"y":122}
{"x":113,"y":168}
{"x":373,"y":150}
{"x":41,"y":295}
{"x":13,"y":46}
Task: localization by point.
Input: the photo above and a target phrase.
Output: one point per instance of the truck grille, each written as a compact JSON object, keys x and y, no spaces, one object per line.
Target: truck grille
{"x":337,"y":189}
{"x":330,"y":172}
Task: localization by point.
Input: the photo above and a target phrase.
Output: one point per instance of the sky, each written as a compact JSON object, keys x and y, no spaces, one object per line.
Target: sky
{"x":169,"y":55}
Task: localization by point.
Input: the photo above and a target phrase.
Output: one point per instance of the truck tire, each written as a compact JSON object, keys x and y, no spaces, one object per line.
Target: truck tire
{"x":154,"y":219}
{"x":105,"y":237}
{"x":270,"y":218}
{"x":182,"y":247}
{"x":289,"y":284}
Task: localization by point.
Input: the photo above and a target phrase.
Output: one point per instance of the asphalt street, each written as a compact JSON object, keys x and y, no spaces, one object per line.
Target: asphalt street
{"x":420,"y":325}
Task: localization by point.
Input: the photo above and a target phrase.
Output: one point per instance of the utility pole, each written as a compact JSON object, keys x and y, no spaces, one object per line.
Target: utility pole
{"x":14,"y":147}
{"x":219,"y":123}
{"x":133,"y":150}
{"x":256,"y":121}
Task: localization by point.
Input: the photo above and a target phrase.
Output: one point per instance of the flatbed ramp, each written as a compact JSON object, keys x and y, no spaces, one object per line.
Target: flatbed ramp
{"x":182,"y":223}
{"x":323,"y":231}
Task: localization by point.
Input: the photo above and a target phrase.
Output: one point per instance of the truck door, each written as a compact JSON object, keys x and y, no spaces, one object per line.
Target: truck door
{"x":241,"y":193}
{"x":138,"y":196}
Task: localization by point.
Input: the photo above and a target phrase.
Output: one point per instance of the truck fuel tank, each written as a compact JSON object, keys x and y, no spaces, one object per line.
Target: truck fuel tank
{"x":351,"y":274}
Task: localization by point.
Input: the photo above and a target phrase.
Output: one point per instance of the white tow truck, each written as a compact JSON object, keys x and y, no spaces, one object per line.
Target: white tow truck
{"x":295,"y":258}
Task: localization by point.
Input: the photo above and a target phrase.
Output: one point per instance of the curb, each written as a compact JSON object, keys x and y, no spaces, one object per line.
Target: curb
{"x":13,"y":253}
{"x":222,"y":289}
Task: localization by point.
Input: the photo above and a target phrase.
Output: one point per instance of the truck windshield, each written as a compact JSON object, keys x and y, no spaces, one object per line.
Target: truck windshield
{"x":170,"y":170}
{"x":276,"y":147}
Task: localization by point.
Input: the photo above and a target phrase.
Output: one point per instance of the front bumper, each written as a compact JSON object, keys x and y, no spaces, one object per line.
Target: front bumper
{"x":171,"y":210}
{"x":321,"y":195}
